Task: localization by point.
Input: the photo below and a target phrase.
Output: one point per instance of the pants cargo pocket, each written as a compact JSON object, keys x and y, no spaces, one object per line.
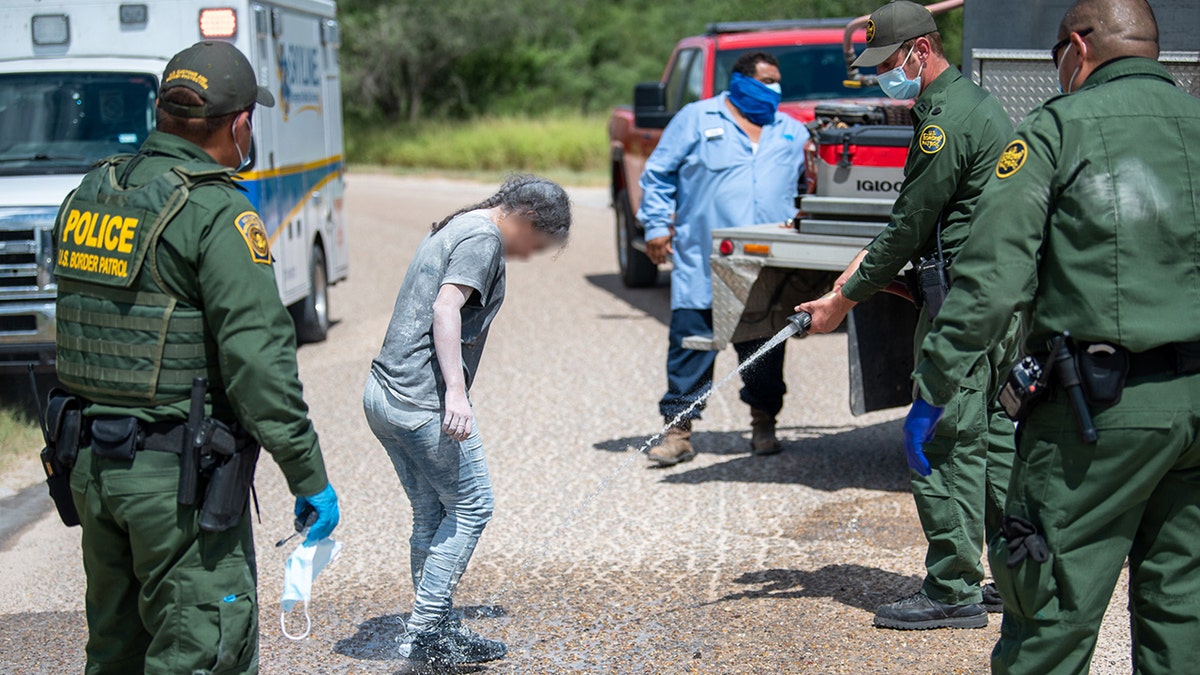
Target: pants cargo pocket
{"x":234,"y":627}
{"x":1030,"y":590}
{"x":218,"y":621}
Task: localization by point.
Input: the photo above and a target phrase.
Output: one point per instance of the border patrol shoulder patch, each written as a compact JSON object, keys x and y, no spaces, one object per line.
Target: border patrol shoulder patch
{"x":1012,"y":159}
{"x":255,"y":233}
{"x":932,"y":139}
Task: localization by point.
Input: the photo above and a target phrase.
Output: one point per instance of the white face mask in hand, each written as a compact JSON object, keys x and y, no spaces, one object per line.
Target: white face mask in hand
{"x":303,"y":566}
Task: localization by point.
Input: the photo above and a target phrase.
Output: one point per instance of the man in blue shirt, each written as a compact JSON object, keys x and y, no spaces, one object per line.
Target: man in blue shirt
{"x":730,"y":160}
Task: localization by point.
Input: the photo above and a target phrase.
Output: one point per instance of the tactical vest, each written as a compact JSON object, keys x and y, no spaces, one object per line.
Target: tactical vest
{"x":123,"y":337}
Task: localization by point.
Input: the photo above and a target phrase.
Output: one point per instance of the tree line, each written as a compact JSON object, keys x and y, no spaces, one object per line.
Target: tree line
{"x":413,"y":60}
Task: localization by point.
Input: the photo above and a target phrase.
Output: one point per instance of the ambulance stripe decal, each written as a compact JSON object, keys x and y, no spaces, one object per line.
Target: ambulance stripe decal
{"x":279,"y":194}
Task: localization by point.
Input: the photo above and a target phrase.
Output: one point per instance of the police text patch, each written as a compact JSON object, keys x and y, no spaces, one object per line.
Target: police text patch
{"x":100,"y":243}
{"x":255,"y":234}
{"x":932,"y":139}
{"x":1012,"y":159}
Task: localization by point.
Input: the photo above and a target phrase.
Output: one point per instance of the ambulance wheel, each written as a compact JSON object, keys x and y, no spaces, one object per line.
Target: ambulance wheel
{"x":312,"y":319}
{"x":636,"y":269}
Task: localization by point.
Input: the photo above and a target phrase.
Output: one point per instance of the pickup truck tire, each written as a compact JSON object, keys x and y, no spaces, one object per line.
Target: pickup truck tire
{"x":637,"y":271}
{"x":312,"y":314}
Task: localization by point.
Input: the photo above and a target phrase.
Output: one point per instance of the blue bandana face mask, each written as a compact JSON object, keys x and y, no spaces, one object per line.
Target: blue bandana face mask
{"x":757,"y":101}
{"x":896,"y":84}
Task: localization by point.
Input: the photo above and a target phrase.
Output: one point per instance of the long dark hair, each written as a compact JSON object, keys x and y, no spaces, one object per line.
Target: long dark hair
{"x":541,"y":200}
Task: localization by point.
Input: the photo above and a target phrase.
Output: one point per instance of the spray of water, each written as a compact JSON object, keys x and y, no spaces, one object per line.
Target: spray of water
{"x":788,"y":331}
{"x":797,"y":323}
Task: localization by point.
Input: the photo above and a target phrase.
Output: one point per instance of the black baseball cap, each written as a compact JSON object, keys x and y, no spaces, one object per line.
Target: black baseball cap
{"x":890,"y":26}
{"x":219,"y":74}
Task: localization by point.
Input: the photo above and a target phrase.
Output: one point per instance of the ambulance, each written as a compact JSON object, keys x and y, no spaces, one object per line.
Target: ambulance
{"x":78,"y":80}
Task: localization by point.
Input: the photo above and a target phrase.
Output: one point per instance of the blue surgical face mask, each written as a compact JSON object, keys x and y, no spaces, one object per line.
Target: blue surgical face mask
{"x":247,"y":161}
{"x":897,"y":85}
{"x":303,"y":566}
{"x":757,"y":101}
{"x":1074,"y":74}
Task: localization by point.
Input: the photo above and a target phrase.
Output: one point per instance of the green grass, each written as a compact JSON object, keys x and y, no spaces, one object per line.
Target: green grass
{"x":568,"y":148}
{"x":19,"y":435}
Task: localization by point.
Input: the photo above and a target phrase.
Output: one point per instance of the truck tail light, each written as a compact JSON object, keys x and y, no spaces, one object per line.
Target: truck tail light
{"x":218,"y":22}
{"x":725,"y":247}
{"x":756,"y":249}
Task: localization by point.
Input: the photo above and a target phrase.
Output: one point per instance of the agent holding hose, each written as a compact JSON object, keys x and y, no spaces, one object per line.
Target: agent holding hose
{"x":958,"y":482}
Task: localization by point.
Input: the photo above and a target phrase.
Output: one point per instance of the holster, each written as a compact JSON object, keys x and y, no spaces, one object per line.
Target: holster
{"x":64,"y":424}
{"x":64,"y":429}
{"x":928,"y":282}
{"x":1102,"y":372}
{"x":934,"y":283}
{"x":229,"y":462}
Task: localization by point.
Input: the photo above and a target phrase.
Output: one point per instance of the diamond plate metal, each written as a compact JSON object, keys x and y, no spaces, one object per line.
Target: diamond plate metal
{"x":1023,"y":79}
{"x":732,"y":280}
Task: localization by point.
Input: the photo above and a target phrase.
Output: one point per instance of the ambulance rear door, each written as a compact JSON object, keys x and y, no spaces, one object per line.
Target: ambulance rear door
{"x":337,"y":245}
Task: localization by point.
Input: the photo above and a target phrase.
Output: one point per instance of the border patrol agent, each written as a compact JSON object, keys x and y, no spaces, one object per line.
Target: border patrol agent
{"x":165,"y":276}
{"x":1097,"y":193}
{"x":959,"y":131}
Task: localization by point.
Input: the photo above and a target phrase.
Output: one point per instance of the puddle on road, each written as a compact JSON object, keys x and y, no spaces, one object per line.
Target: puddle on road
{"x":887,"y":522}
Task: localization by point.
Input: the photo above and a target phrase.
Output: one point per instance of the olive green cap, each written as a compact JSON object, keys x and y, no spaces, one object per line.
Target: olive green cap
{"x":220,"y":74}
{"x":890,"y":26}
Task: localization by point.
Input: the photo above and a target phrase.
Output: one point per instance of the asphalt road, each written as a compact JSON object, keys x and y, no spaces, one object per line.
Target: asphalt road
{"x":593,"y":563}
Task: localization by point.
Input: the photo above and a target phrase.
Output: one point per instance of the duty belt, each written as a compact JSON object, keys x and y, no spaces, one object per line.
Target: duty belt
{"x":163,"y":436}
{"x":154,"y":436}
{"x":1177,"y":358}
{"x":1174,"y":358}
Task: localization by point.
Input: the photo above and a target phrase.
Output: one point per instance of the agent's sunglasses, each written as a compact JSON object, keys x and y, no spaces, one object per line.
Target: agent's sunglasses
{"x":1063,"y":43}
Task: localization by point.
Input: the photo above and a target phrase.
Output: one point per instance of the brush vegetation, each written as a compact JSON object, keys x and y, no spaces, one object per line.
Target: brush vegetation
{"x":574,"y":145}
{"x":19,"y":435}
{"x":498,"y":85}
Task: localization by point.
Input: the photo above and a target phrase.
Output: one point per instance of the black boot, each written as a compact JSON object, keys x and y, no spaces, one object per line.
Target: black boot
{"x":919,"y":612}
{"x":991,"y":599}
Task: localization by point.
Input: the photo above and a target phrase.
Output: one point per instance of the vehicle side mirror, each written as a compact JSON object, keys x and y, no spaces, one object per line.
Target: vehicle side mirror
{"x":650,"y":105}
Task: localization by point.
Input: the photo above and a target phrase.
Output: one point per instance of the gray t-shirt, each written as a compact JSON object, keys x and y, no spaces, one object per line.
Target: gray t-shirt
{"x":468,"y":251}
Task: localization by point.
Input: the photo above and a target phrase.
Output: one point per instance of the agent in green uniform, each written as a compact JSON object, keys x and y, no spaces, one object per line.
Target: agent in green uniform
{"x":958,"y":133}
{"x":1098,"y":195}
{"x":164,"y":275}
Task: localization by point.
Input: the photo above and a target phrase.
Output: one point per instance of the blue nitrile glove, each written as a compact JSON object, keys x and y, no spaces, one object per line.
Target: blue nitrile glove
{"x":918,"y":429}
{"x":326,"y":504}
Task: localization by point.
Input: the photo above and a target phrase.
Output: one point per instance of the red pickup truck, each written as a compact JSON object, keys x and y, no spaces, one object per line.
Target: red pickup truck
{"x":813,"y":65}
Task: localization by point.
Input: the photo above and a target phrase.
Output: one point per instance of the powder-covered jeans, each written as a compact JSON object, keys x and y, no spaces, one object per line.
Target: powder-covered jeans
{"x":451,"y":494}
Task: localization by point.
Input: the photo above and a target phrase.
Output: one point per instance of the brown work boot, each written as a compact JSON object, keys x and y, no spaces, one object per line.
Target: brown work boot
{"x":762,"y":433}
{"x":675,"y":447}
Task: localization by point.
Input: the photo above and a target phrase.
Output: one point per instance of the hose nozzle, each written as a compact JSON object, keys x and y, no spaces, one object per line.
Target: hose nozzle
{"x":801,"y":320}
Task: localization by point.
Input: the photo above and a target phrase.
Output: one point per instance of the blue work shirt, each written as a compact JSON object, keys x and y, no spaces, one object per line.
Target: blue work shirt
{"x":706,"y":173}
